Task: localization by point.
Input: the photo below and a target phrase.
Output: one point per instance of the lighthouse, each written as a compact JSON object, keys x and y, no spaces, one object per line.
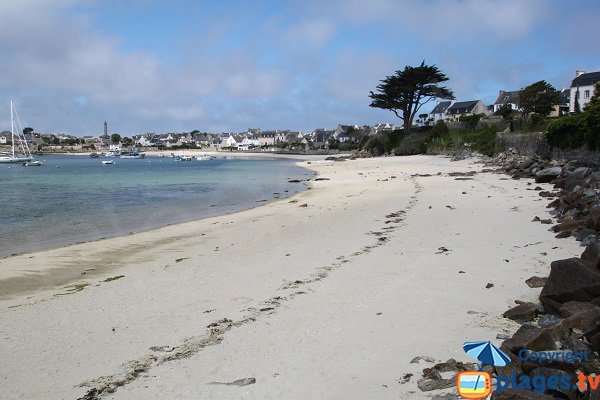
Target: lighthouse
{"x":105,"y":129}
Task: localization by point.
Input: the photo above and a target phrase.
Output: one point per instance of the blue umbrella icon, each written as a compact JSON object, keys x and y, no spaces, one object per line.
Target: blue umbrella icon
{"x":486,"y":353}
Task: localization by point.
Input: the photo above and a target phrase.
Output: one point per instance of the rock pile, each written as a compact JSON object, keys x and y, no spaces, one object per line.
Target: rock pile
{"x":576,"y":204}
{"x":570,"y":298}
{"x":567,"y":331}
{"x":565,"y":324}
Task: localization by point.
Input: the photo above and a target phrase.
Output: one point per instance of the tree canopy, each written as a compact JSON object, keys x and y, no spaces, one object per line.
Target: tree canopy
{"x":27,"y":130}
{"x":405,"y":92}
{"x":115,"y":138}
{"x":539,"y":97}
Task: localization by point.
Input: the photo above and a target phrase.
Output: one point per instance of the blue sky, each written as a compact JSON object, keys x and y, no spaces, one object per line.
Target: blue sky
{"x":160,"y":66}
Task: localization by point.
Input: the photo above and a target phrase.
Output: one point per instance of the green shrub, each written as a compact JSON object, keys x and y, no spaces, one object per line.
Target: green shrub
{"x":378,"y":144}
{"x":470,"y":121}
{"x":439,"y":129}
{"x":347,"y":146}
{"x":567,"y":132}
{"x":413,"y":143}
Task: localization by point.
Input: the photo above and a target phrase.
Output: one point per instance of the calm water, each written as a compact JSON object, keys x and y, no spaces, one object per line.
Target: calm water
{"x":73,"y":199}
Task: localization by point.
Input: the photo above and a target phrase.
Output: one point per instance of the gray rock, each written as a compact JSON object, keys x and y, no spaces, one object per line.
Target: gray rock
{"x":536,"y":282}
{"x":569,"y":280}
{"x":547,"y":175}
{"x":239,"y":382}
{"x":523,"y":312}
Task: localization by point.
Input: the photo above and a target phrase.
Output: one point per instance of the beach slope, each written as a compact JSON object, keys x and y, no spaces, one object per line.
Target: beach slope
{"x":327,"y":294}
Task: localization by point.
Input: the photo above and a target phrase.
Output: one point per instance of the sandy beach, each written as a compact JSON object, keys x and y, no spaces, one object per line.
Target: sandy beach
{"x":328,"y":294}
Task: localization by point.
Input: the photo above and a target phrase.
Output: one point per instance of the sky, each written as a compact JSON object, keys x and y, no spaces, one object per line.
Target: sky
{"x":222,"y":66}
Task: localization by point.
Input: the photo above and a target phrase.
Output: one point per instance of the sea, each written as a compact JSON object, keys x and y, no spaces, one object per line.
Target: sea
{"x":74,"y":199}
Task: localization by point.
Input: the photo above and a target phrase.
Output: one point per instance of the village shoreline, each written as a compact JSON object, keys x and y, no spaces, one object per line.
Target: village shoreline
{"x":312,"y":296}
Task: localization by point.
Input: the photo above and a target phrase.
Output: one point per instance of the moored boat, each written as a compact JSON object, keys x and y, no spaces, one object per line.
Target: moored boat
{"x":33,"y":163}
{"x":19,"y":148}
{"x":108,"y":162}
{"x":135,"y":153}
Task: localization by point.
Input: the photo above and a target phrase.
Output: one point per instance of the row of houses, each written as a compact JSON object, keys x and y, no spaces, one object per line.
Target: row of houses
{"x":580,"y":91}
{"x":319,"y":138}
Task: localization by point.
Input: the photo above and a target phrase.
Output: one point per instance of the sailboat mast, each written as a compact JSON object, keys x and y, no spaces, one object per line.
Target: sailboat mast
{"x":12,"y":129}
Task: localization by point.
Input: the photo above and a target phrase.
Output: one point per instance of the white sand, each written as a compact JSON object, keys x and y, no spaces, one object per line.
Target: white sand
{"x":362,"y":309}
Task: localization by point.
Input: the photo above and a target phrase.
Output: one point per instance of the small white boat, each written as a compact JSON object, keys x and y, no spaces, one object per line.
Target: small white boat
{"x":33,"y":163}
{"x":108,"y":162}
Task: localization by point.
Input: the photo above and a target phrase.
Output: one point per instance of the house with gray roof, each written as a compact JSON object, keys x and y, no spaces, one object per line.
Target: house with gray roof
{"x":582,"y":88}
{"x":439,"y":111}
{"x":466,"y":108}
{"x":510,"y":99}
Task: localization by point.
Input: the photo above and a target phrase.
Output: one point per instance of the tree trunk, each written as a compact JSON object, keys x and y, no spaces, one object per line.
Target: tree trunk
{"x":407,"y":121}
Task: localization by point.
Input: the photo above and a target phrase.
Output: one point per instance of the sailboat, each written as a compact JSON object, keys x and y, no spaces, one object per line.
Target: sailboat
{"x":20,"y":150}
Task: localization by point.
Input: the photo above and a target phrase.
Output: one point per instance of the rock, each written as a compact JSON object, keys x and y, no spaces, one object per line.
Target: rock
{"x":569,"y":280}
{"x":563,"y":234}
{"x":536,"y":282}
{"x":591,"y":239}
{"x":519,"y":394}
{"x":548,"y":372}
{"x":444,"y":396}
{"x":585,"y":233}
{"x":591,"y":256}
{"x":239,"y":382}
{"x":595,"y":342}
{"x":535,"y":338}
{"x":576,"y":177}
{"x":303,"y":205}
{"x":432,"y":378}
{"x":568,"y":225}
{"x":546,"y":221}
{"x":586,"y":320}
{"x":523,"y":312}
{"x":429,"y":384}
{"x":489,"y":286}
{"x":593,"y":219}
{"x":547,"y":175}
{"x":424,"y":358}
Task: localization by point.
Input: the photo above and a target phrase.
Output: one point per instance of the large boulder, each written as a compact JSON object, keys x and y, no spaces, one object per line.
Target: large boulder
{"x":569,"y":280}
{"x":577,"y":178}
{"x":568,"y":226}
{"x":547,"y":175}
{"x":534,"y":338}
{"x":523,"y":312}
{"x":591,"y":256}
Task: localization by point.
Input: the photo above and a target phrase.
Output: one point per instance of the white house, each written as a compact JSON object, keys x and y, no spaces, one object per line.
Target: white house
{"x":582,"y":88}
{"x":439,"y":111}
{"x":232,"y":141}
{"x":465,"y":108}
{"x":248,"y":142}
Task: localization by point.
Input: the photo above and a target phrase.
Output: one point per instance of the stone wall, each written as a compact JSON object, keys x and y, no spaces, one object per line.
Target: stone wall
{"x":526,"y":144}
